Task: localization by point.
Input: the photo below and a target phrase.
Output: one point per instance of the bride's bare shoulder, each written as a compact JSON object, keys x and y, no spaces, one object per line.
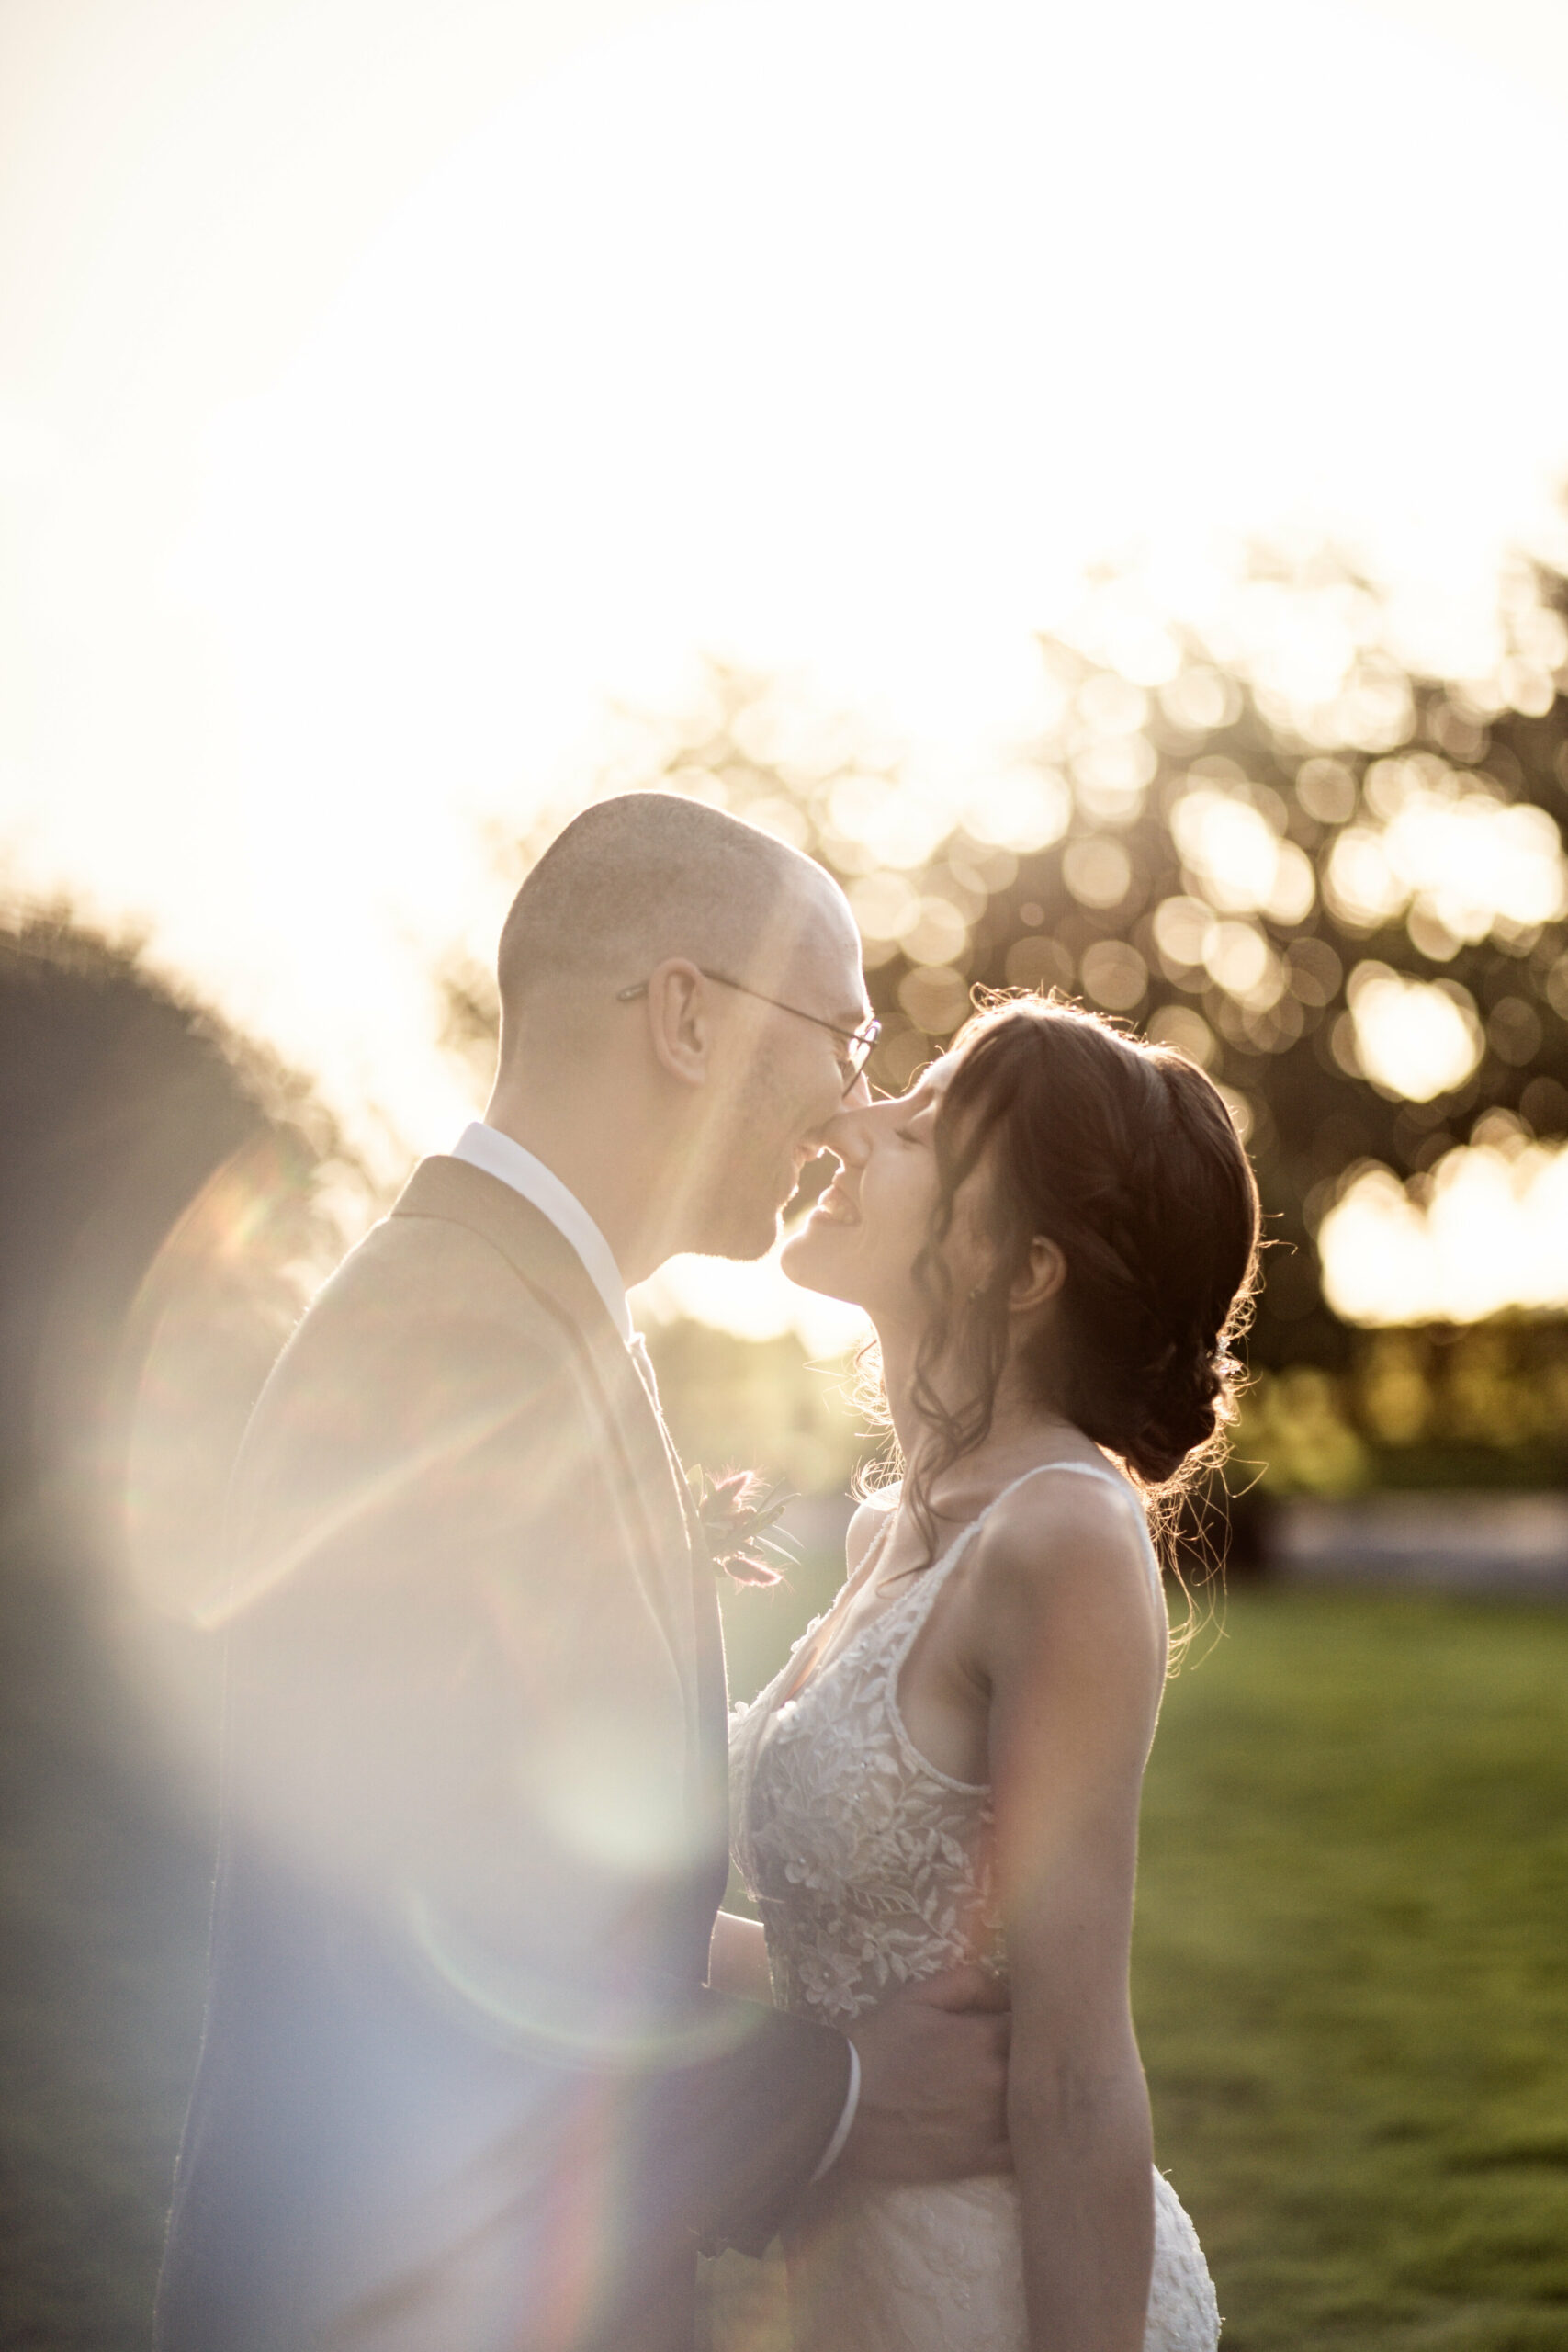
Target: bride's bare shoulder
{"x":1060,"y":1533}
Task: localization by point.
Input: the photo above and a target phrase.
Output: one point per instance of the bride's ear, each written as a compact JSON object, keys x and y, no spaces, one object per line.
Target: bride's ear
{"x":1039,"y":1279}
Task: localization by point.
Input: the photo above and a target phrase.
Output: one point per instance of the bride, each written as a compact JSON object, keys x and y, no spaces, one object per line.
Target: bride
{"x":1054,"y":1233}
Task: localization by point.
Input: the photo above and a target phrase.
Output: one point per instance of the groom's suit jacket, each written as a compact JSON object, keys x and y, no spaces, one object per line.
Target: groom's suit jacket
{"x":461,"y":2088}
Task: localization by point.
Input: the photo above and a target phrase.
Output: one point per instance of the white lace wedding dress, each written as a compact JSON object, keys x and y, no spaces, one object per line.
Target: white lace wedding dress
{"x":872,"y":1870}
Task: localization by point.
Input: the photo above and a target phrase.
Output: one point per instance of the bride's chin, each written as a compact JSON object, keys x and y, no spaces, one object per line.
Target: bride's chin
{"x":801,"y":1259}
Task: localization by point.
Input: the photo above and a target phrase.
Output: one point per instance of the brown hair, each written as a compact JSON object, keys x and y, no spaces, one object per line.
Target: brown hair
{"x":1123,"y":1154}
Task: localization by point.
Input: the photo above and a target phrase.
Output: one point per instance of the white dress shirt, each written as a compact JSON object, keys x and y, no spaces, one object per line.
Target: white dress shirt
{"x":498,"y":1155}
{"x":502,"y":1156}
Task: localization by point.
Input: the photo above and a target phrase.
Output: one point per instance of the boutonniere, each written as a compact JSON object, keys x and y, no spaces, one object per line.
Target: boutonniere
{"x":739,"y":1516}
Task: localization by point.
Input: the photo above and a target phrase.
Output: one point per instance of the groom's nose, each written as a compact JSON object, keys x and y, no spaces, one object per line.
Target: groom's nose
{"x":844,"y":1135}
{"x":824,"y":1139}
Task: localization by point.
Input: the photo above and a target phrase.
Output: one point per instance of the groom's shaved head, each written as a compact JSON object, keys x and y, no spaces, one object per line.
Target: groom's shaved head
{"x":638,"y":879}
{"x":682,"y":1121}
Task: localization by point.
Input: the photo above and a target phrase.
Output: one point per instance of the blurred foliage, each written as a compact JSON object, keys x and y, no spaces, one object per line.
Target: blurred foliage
{"x":168,"y":1196}
{"x":1254,"y":844}
{"x":758,"y":1405}
{"x":167,"y":1191}
{"x":1466,"y":1405}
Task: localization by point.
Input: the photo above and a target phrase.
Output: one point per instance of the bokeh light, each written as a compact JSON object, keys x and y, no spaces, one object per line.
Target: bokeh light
{"x":1416,"y":1038}
{"x":1488,"y":1230}
{"x":304,"y":642}
{"x":1451,"y":851}
{"x":354,"y":498}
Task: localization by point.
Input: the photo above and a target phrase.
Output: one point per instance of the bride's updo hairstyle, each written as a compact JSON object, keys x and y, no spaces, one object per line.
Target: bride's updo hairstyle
{"x":1123,"y":1154}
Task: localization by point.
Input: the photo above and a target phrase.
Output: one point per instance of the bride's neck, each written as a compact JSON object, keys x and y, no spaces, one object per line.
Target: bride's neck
{"x":898,"y":1351}
{"x":1018,"y":1422}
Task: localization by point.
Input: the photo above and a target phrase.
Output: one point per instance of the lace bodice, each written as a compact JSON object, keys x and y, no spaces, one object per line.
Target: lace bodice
{"x":871,"y":1869}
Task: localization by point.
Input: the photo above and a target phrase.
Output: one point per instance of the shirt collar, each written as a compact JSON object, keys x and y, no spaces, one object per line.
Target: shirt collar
{"x":500,"y":1156}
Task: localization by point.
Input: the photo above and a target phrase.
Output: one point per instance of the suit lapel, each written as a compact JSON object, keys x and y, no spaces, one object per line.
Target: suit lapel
{"x":711,"y":1723}
{"x":713,"y":1687}
{"x":650,"y":1474}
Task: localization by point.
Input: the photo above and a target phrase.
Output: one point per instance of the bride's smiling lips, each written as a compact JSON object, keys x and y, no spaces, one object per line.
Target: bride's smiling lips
{"x":835,"y":1207}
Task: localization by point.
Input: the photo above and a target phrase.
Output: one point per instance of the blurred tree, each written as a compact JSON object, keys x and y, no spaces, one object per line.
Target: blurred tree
{"x":122,"y":1100}
{"x":1339,"y":884}
{"x":165,"y":1193}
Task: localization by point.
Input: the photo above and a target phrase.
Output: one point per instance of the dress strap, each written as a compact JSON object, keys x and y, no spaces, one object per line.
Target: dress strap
{"x":936,"y":1575}
{"x":1105,"y":1478}
{"x":1074,"y":1469}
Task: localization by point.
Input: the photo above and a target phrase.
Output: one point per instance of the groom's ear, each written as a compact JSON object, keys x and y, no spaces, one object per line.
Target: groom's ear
{"x":680,"y":1020}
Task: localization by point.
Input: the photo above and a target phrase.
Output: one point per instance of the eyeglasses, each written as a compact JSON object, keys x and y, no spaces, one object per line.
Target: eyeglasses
{"x":860,"y":1042}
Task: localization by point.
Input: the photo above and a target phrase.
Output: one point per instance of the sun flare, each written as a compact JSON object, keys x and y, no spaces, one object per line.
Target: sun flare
{"x":843,"y":341}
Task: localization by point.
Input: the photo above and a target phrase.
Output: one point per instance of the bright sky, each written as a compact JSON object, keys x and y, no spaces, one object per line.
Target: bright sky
{"x":385,"y":383}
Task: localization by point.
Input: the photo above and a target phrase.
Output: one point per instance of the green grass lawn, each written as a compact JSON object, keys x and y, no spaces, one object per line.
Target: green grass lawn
{"x":1349,"y":1978}
{"x":1349,"y":1971}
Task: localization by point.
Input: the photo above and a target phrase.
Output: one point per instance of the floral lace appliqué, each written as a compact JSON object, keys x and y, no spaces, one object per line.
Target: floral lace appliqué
{"x":872,"y":1870}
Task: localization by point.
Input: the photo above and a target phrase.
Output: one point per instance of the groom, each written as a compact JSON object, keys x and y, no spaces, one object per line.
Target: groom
{"x":463,"y":2087}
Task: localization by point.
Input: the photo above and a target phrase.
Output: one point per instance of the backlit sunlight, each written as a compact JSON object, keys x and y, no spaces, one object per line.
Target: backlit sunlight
{"x":842,"y":340}
{"x":1487,"y":1229}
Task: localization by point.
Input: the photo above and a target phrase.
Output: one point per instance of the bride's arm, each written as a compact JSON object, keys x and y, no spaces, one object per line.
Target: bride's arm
{"x":738,"y":1958}
{"x":1068,"y":1639}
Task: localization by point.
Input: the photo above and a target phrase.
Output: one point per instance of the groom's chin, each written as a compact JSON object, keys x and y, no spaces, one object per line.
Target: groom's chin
{"x":741,"y":1239}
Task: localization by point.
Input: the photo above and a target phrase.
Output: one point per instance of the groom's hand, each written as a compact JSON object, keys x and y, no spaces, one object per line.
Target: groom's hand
{"x":934,"y":2082}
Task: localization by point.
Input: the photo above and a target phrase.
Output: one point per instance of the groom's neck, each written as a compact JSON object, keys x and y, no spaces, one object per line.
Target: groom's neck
{"x":591,"y":1146}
